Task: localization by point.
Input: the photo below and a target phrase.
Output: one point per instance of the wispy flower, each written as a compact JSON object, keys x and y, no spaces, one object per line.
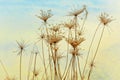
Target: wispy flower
{"x":75,"y":43}
{"x":35,"y":73}
{"x":105,"y":18}
{"x":21,"y":46}
{"x":53,"y":38}
{"x":80,"y":33}
{"x":76,"y":12}
{"x":55,"y":28}
{"x":70,"y":24}
{"x":41,"y":36}
{"x":45,"y":15}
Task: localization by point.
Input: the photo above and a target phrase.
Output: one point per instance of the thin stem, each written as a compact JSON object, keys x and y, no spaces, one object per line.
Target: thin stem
{"x":73,"y":67}
{"x":50,"y":62}
{"x":59,"y":71}
{"x":99,"y":43}
{"x":4,"y":68}
{"x":44,"y":73}
{"x":79,"y":68}
{"x":84,"y":20}
{"x":86,"y":61}
{"x":55,"y":70}
{"x":96,"y":53}
{"x":35,"y":65}
{"x":20,"y":64}
{"x":75,"y":27}
{"x":71,"y":74}
{"x":29,"y":68}
{"x":90,"y":73}
{"x":44,"y":61}
{"x":46,"y":28}
{"x":55,"y":62}
{"x":67,"y":54}
{"x":64,"y":77}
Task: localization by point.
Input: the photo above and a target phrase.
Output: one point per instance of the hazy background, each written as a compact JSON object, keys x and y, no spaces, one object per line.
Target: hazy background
{"x":18,"y":21}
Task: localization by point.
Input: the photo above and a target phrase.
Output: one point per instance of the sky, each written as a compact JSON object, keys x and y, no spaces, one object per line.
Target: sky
{"x":18,"y":21}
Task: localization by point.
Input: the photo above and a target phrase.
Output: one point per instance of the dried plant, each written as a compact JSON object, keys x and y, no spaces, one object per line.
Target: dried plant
{"x":21,"y":49}
{"x":74,"y":43}
{"x":105,"y":19}
{"x":35,"y":61}
{"x":29,"y":65}
{"x":55,"y":28}
{"x":50,"y":39}
{"x":77,"y":12}
{"x":53,"y":38}
{"x":70,"y":24}
{"x":35,"y":73}
{"x":4,"y":68}
{"x":45,"y":15}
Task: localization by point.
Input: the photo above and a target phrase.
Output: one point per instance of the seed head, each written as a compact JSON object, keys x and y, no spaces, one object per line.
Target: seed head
{"x":55,"y":28}
{"x":36,"y":73}
{"x":70,"y":24}
{"x":53,"y":38}
{"x":76,"y":12}
{"x":92,"y":64}
{"x":45,"y":15}
{"x":42,"y":36}
{"x":75,"y":43}
{"x":105,"y":18}
{"x":21,"y":46}
{"x":80,"y":33}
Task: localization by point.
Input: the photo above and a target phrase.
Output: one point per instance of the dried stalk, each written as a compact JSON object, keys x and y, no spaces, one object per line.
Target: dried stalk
{"x":64,"y":77}
{"x":4,"y":68}
{"x":91,"y":68}
{"x":34,"y":66}
{"x":67,"y":53}
{"x":86,"y":61}
{"x":29,"y":66}
{"x":20,"y":64}
{"x":79,"y":68}
{"x":43,"y":54}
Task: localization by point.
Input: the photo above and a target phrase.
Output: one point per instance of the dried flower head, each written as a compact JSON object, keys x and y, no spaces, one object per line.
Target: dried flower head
{"x":35,"y":50}
{"x":21,"y":46}
{"x":55,"y":28}
{"x":70,"y":24}
{"x":53,"y":38}
{"x":75,"y":43}
{"x":76,"y":12}
{"x":92,"y":64}
{"x":41,"y":36}
{"x":105,"y":18}
{"x":80,"y":33}
{"x":45,"y":15}
{"x":36,"y":73}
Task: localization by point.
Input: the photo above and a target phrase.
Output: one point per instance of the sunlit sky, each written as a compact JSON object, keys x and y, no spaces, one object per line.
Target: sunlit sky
{"x":18,"y":21}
